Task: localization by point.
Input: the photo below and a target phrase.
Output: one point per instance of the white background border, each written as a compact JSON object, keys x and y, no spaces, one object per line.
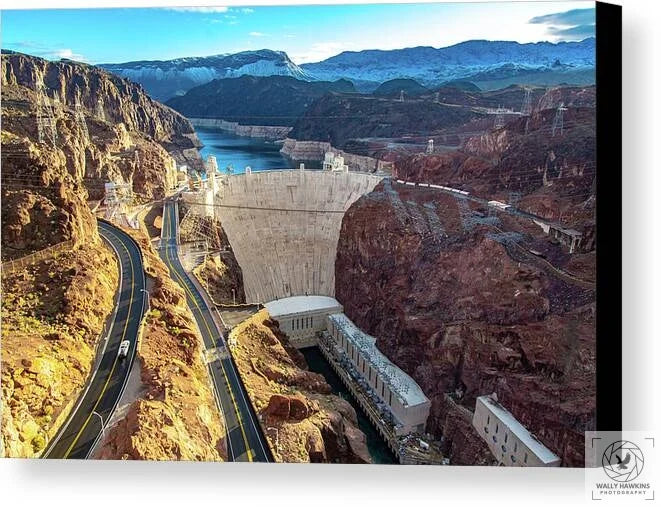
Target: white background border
{"x":54,"y":483}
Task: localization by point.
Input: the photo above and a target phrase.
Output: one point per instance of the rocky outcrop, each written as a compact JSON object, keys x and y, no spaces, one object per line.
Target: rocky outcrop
{"x":302,"y":420}
{"x":122,"y":101}
{"x":270,"y":133}
{"x":459,"y":307}
{"x":174,"y":416}
{"x":47,"y":184}
{"x":52,"y":314}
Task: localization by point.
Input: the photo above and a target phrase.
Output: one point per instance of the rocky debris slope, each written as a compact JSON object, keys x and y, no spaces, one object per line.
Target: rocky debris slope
{"x":304,"y":422}
{"x":221,"y":277}
{"x":463,"y":310}
{"x":52,"y":314}
{"x":175,"y":416}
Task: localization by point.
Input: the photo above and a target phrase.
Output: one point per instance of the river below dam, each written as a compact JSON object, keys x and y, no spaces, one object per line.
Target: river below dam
{"x":238,"y":152}
{"x":377,"y":447}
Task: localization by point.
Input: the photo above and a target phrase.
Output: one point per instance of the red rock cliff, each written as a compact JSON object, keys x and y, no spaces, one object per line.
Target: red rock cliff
{"x":465,"y":314}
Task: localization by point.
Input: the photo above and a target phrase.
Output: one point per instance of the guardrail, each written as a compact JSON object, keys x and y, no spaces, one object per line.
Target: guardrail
{"x":18,"y":264}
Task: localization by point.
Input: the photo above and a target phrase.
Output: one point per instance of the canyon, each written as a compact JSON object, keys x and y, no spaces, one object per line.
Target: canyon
{"x":453,"y":303}
{"x":54,"y":309}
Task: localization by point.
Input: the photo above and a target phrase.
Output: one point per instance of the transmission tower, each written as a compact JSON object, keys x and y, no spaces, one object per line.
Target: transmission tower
{"x":57,"y":104}
{"x":118,"y":197}
{"x":100,"y":112}
{"x":46,"y":123}
{"x":430,"y":146}
{"x":499,"y":121}
{"x":526,"y":107}
{"x":200,"y":229}
{"x":401,"y":95}
{"x":79,"y":116}
{"x":438,"y":98}
{"x":558,"y":121}
{"x":514,"y":199}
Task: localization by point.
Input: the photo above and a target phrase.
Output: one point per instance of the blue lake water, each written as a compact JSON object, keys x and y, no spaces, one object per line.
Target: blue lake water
{"x":240,"y":152}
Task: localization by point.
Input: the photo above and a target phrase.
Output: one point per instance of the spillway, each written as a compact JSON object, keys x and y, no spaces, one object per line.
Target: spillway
{"x":284,"y":226}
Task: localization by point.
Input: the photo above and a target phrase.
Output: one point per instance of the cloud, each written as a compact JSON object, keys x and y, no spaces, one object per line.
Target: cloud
{"x":198,"y":9}
{"x":567,"y":18}
{"x":247,"y":10}
{"x":257,"y":34}
{"x":43,"y":51}
{"x":320,"y":51}
{"x":575,"y":24}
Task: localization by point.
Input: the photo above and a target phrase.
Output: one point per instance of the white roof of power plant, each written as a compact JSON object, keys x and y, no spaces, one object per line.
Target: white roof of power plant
{"x":399,"y":382}
{"x":301,"y":304}
{"x":524,"y":436}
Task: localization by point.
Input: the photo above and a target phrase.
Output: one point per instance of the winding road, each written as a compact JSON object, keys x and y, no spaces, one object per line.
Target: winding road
{"x":245,"y":439}
{"x":86,"y":424}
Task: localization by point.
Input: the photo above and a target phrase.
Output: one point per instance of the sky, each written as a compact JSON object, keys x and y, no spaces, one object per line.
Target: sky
{"x":307,"y":33}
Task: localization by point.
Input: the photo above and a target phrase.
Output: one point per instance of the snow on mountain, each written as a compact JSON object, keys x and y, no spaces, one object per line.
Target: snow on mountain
{"x":164,"y":79}
{"x":431,"y":66}
{"x":487,"y":63}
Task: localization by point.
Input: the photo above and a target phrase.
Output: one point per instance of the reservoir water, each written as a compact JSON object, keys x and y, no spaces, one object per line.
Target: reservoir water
{"x":378,"y":449}
{"x":239,"y":152}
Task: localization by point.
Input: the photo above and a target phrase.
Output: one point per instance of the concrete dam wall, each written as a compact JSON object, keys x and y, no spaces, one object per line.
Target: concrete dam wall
{"x":284,"y":226}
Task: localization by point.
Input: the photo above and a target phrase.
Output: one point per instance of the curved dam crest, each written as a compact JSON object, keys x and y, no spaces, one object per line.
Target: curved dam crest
{"x":285,"y":227}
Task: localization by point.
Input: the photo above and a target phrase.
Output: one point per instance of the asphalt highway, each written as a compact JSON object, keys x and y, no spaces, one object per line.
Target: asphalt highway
{"x":245,"y":439}
{"x":84,"y":426}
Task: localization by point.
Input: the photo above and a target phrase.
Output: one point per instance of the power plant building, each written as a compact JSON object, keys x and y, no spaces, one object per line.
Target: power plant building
{"x":509,"y":441}
{"x":393,"y":387}
{"x":302,"y":317}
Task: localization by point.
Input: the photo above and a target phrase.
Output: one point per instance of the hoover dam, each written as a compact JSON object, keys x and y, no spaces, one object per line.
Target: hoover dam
{"x":284,"y":226}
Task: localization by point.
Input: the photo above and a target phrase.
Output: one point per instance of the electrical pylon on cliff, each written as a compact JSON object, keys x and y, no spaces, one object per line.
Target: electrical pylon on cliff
{"x":499,"y":121}
{"x":558,"y":121}
{"x":117,"y":199}
{"x":401,"y":95}
{"x":430,"y":146}
{"x":79,"y":116}
{"x":199,"y":229}
{"x":526,"y":107}
{"x":100,"y":112}
{"x":46,"y":123}
{"x":514,"y":199}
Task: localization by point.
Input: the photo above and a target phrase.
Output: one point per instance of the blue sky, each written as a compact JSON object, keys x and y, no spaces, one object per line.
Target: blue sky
{"x":306,"y":33}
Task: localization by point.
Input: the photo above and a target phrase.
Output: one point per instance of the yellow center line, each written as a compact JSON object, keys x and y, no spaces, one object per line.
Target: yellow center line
{"x":112,"y":370}
{"x":206,"y":323}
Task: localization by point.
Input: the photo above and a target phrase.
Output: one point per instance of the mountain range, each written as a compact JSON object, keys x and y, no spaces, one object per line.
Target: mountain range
{"x":488,"y":64}
{"x":164,"y":79}
{"x":256,"y":100}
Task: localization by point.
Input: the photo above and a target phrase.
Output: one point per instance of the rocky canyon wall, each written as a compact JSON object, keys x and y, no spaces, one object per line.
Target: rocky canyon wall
{"x":455,"y":304}
{"x":270,"y":133}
